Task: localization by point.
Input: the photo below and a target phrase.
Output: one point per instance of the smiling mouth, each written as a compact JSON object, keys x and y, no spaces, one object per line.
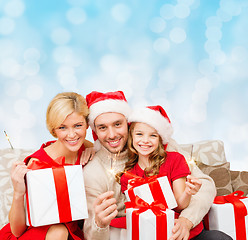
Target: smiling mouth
{"x":145,"y":147}
{"x":73,"y":142}
{"x":114,"y":143}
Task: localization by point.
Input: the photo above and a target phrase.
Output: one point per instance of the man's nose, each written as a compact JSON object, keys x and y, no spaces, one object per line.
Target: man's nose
{"x":111,"y":133}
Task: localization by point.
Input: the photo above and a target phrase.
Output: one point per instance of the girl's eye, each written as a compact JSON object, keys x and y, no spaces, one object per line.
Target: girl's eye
{"x":79,"y":125}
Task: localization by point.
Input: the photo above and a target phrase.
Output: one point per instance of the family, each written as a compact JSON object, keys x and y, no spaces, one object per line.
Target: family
{"x":136,"y":141}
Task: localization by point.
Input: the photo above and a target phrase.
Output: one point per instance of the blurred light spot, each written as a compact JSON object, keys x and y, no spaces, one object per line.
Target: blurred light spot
{"x":177,"y":35}
{"x":205,"y":66}
{"x":181,"y":11}
{"x":213,"y":34}
{"x":211,"y":46}
{"x":7,"y":26}
{"x":167,"y":11}
{"x":166,"y":79}
{"x":224,"y":16}
{"x":31,"y":68}
{"x":110,"y":63}
{"x":186,"y":2}
{"x":239,"y":54}
{"x":68,"y":81}
{"x":161,"y":45}
{"x":203,"y":85}
{"x":66,"y":70}
{"x":121,"y":12}
{"x":31,"y":54}
{"x":34,"y":92}
{"x":76,"y":15}
{"x":27,"y":120}
{"x":214,"y":21}
{"x":125,"y":77}
{"x":60,"y":36}
{"x":14,"y":8}
{"x":218,"y":57}
{"x":198,"y":112}
{"x":9,"y":67}
{"x":238,"y":134}
{"x":77,"y":2}
{"x":157,"y":25}
{"x":231,"y":7}
{"x":63,"y":54}
{"x":12,"y":88}
{"x":22,"y":107}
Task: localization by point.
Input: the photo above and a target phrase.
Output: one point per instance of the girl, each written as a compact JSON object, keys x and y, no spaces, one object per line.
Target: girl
{"x":149,"y":134}
{"x":66,"y":120}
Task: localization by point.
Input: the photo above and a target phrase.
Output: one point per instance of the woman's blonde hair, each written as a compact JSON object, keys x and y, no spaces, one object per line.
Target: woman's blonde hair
{"x":156,"y":158}
{"x":62,"y":105}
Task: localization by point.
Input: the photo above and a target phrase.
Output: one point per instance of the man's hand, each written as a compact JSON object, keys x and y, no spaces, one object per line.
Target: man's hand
{"x":105,"y":209}
{"x":181,"y":229}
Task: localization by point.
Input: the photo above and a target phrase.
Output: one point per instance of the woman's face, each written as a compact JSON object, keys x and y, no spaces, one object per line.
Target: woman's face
{"x":72,"y":132}
{"x":145,"y":139}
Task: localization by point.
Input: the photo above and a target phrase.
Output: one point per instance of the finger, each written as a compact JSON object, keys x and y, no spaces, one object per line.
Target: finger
{"x":103,"y":197}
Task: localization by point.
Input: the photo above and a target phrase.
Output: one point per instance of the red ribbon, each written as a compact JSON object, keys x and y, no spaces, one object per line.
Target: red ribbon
{"x":61,"y":187}
{"x":153,"y":184}
{"x":157,"y":208}
{"x":240,"y":211}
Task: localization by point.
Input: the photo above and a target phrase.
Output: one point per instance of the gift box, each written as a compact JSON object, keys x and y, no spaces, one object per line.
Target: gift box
{"x":151,"y":189}
{"x":55,"y":195}
{"x":148,"y":221}
{"x":229,"y":214}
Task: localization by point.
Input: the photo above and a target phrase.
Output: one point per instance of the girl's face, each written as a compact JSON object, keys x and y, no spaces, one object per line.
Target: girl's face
{"x":145,"y":139}
{"x":71,"y":133}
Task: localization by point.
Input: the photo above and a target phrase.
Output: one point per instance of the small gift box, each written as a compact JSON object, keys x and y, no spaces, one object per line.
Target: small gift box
{"x":151,"y":189}
{"x":148,"y":221}
{"x":229,"y":214}
{"x":55,"y":195}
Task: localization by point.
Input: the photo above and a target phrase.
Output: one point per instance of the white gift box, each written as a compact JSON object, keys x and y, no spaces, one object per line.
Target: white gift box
{"x":147,"y":224}
{"x":144,"y":192}
{"x":222,"y":217}
{"x":42,"y":206}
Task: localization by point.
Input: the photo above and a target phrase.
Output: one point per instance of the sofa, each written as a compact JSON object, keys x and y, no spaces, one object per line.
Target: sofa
{"x":208,"y":155}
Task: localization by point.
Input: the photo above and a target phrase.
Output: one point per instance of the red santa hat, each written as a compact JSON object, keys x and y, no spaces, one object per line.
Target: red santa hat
{"x":99,"y":103}
{"x":156,"y":117}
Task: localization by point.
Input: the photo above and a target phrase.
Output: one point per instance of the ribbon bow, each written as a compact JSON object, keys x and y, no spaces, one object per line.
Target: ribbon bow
{"x":153,"y":184}
{"x":142,"y":206}
{"x":240,"y":211}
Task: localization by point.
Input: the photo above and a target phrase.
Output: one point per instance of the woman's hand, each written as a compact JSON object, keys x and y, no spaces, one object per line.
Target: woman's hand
{"x":18,"y":172}
{"x":87,"y":155}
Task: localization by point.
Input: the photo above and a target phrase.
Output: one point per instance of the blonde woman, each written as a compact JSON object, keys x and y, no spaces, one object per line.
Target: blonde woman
{"x":66,"y":120}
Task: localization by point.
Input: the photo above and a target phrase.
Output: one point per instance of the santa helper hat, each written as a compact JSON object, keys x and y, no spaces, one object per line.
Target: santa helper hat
{"x":99,"y":103}
{"x":156,"y":117}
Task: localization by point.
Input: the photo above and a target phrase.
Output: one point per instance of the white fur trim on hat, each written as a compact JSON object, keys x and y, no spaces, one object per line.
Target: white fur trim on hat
{"x":155,"y":120}
{"x":106,"y":106}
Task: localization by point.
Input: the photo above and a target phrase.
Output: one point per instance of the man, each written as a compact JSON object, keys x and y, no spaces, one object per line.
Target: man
{"x":108,"y":119}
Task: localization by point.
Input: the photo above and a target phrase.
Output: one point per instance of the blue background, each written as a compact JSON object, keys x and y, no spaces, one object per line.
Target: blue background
{"x":189,"y":56}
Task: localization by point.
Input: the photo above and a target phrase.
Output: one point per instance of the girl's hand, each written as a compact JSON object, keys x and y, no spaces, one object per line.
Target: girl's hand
{"x":193,"y":185}
{"x":87,"y":155}
{"x":18,"y":171}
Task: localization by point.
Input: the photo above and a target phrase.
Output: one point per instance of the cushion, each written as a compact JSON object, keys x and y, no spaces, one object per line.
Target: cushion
{"x":221,"y":176}
{"x":7,"y":157}
{"x":210,"y":152}
{"x":240,"y":181}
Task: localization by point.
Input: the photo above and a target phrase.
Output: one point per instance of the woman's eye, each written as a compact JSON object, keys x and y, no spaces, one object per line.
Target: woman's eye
{"x":61,"y":127}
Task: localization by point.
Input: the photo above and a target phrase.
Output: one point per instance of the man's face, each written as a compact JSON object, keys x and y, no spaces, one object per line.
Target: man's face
{"x":112,"y":131}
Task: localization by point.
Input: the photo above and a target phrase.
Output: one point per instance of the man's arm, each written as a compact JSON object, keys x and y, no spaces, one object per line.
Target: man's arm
{"x":100,"y":202}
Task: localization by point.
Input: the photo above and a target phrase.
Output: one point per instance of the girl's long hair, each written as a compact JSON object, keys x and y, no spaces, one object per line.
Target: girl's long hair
{"x":156,"y":158}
